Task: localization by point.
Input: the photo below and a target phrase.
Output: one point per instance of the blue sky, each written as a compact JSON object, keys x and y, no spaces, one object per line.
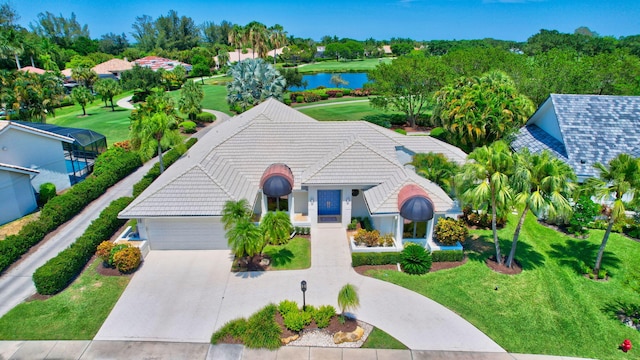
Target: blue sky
{"x":380,"y":19}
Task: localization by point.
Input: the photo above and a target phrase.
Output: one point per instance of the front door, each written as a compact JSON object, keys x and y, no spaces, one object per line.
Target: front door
{"x":329,"y":202}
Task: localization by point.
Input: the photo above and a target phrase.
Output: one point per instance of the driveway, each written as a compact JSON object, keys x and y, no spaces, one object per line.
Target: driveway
{"x":186,"y":295}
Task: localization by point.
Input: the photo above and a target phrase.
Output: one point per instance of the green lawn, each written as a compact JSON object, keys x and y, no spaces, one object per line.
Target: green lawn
{"x":112,"y":124}
{"x":379,"y":339}
{"x":76,"y":313}
{"x":547,"y":309}
{"x":214,"y":98}
{"x":342,"y":112}
{"x":328,"y":101}
{"x":342,"y":66}
{"x":295,"y":255}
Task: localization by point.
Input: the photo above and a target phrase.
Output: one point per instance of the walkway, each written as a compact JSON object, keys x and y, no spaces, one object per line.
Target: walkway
{"x":90,"y":350}
{"x":160,"y":304}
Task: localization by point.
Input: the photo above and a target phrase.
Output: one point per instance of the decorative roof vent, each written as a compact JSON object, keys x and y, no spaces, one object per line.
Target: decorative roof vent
{"x":277,"y":180}
{"x":414,"y":203}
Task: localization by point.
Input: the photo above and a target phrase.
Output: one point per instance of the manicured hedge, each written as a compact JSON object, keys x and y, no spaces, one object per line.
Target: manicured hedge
{"x":59,"y":271}
{"x":447,"y":255}
{"x":110,"y":167}
{"x":374,"y":258}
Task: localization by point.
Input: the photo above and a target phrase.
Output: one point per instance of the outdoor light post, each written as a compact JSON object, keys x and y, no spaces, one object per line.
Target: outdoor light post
{"x":303,"y":287}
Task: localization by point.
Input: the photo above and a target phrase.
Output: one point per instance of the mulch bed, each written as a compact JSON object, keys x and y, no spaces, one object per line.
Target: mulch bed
{"x":513,"y":270}
{"x":107,"y":271}
{"x":252,"y":264}
{"x":436,"y":266}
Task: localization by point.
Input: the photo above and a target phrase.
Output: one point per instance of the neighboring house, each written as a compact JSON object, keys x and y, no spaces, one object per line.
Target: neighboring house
{"x":245,"y":54}
{"x":155,"y":63}
{"x":112,"y":68}
{"x":274,"y":156}
{"x":583,"y":129}
{"x":16,"y":192}
{"x":32,"y":69}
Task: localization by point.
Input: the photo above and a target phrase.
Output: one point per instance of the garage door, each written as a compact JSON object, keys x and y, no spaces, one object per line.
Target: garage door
{"x":201,"y":233}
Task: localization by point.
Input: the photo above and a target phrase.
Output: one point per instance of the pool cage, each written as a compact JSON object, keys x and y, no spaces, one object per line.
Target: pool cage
{"x":79,"y":155}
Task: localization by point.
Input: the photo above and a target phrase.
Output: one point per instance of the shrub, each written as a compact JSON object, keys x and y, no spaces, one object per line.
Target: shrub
{"x":415,"y":260}
{"x":366,"y":224}
{"x":346,"y":91}
{"x":401,"y":131}
{"x":386,"y":240}
{"x":584,"y":211}
{"x":348,"y":299}
{"x":339,"y":94}
{"x":378,"y":258}
{"x":127,"y":260}
{"x":447,"y":255}
{"x":262,"y":330}
{"x":363,"y":237}
{"x":449,"y":231}
{"x":311,"y":97}
{"x":287,"y":101}
{"x":378,"y":120}
{"x":104,"y":250}
{"x":114,"y":250}
{"x":188,"y":127}
{"x":299,"y":99}
{"x":323,"y":315}
{"x":47,"y":192}
{"x":206,"y":117}
{"x":297,"y":320}
{"x":481,"y":219}
{"x":234,"y":328}
{"x":353,"y":225}
{"x":287,"y":306}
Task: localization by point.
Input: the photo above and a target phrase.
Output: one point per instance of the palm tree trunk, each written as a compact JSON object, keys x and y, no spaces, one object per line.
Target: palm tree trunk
{"x":112,"y":107}
{"x":516,"y":234}
{"x":84,"y":111}
{"x":160,"y":158}
{"x":17,"y":60}
{"x":494,"y":227}
{"x":596,"y":269}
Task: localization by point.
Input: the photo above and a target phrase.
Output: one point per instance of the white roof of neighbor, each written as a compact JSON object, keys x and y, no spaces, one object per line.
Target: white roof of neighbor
{"x":6,"y":125}
{"x":228,"y":162}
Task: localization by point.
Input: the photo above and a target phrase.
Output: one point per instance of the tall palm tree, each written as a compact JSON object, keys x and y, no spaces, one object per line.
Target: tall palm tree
{"x":543,"y":183}
{"x":234,"y":211}
{"x":278,"y":38}
{"x":257,"y":36}
{"x":84,"y":76}
{"x":619,"y":180}
{"x":485,"y":179}
{"x":191,"y":97}
{"x":237,"y":37}
{"x":276,"y":227}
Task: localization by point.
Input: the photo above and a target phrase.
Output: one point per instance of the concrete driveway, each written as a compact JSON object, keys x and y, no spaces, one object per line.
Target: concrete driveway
{"x":175,"y":296}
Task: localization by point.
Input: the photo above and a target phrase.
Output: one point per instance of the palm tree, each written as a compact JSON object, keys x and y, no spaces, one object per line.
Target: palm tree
{"x":11,"y":45}
{"x":245,"y":238}
{"x":276,"y":227}
{"x":236,"y":38}
{"x":278,"y":38}
{"x":485,"y":179}
{"x":620,"y":178}
{"x":543,"y":183}
{"x":348,"y":299}
{"x":191,"y":97}
{"x":437,"y":168}
{"x":108,"y":88}
{"x":257,"y":36}
{"x":223,"y":57}
{"x":82,"y":96}
{"x":234,"y":211}
{"x":84,"y":76}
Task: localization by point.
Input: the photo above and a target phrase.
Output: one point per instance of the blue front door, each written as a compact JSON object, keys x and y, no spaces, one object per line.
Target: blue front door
{"x":329,"y":202}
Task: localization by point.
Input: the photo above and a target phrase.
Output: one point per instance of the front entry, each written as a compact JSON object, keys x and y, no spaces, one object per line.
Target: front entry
{"x":329,"y":205}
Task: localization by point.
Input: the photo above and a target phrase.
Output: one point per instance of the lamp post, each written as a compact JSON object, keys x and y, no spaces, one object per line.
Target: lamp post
{"x":303,"y":287}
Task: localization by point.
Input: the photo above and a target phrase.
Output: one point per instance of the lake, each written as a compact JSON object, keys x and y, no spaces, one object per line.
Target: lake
{"x":356,"y":80}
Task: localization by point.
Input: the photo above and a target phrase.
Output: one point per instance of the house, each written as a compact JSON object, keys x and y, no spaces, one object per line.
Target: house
{"x":28,"y":158}
{"x":32,"y":69}
{"x":155,"y":63}
{"x":276,"y":157}
{"x":244,"y":54}
{"x":582,"y":130}
{"x":112,"y":68}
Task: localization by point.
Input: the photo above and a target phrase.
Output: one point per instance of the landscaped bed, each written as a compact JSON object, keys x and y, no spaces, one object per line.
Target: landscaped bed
{"x":295,"y":255}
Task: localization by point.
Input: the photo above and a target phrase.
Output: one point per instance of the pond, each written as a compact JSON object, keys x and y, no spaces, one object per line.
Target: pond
{"x":356,"y":80}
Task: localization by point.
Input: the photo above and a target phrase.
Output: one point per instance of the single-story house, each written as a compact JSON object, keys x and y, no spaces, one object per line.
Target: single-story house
{"x":276,"y":157}
{"x":244,"y":54}
{"x":28,"y":156}
{"x":32,"y":69}
{"x":112,"y":68}
{"x":582,"y":130}
{"x":155,"y":63}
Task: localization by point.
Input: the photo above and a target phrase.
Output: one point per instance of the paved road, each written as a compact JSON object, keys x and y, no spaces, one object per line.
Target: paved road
{"x":16,"y":284}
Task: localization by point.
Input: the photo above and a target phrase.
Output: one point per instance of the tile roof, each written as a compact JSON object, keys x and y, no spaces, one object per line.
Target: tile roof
{"x":235,"y":154}
{"x":32,"y":69}
{"x":112,"y":66}
{"x":594,"y":128}
{"x":156,"y":62}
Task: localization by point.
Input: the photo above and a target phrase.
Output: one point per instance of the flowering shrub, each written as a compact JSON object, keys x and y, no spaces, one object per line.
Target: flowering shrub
{"x":104,"y":250}
{"x":449,"y":231}
{"x":114,"y":250}
{"x":127,"y":260}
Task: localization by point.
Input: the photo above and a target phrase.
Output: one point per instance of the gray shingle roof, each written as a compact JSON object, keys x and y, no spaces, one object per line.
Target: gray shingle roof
{"x":593,"y":128}
{"x":228,"y":162}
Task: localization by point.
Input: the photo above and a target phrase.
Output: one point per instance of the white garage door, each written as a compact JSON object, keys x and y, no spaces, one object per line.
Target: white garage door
{"x":201,"y":233}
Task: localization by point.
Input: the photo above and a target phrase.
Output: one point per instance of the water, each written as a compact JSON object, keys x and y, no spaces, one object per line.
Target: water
{"x":356,"y":80}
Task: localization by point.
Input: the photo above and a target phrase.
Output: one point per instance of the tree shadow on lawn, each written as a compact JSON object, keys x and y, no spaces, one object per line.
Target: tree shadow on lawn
{"x":483,"y":247}
{"x":280,"y":257}
{"x":576,"y":253}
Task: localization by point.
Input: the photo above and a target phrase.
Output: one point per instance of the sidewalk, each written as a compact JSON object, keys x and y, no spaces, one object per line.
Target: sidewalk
{"x":90,"y":350}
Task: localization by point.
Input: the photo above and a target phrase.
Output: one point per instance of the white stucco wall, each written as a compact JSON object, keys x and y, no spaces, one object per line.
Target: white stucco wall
{"x":301,"y":202}
{"x":358,"y":205}
{"x":18,"y":198}
{"x":35,"y":152}
{"x":546,"y":119}
{"x":385,"y":224}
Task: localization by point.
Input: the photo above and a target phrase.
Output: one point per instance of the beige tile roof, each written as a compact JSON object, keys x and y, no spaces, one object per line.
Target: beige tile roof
{"x":234,"y":154}
{"x":32,"y":69}
{"x":112,"y":66}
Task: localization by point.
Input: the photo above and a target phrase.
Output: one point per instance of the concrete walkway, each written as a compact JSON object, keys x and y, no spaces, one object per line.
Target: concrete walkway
{"x":90,"y":350}
{"x":184,"y":296}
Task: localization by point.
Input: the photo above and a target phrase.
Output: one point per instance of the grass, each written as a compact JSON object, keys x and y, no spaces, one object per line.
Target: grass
{"x":328,"y":101}
{"x":342,"y":66}
{"x":295,"y":255}
{"x":379,"y":339}
{"x":74,"y":314}
{"x":342,"y":112}
{"x":112,"y":124}
{"x":259,"y":331}
{"x":214,"y":98}
{"x":550,"y":308}
{"x":15,"y":226}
